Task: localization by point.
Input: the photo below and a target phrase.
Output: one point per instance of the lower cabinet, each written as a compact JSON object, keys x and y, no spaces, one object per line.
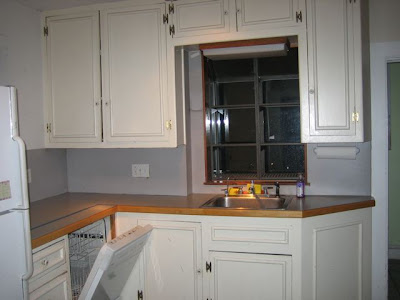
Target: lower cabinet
{"x":172,"y":261}
{"x":51,"y":273}
{"x":232,"y":258}
{"x":238,"y":276}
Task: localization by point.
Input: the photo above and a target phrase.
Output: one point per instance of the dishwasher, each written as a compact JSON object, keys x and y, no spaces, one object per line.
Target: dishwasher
{"x":100,"y":269}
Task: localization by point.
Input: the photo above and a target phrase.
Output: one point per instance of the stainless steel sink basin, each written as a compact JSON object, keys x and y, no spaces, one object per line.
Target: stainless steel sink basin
{"x":248,"y":202}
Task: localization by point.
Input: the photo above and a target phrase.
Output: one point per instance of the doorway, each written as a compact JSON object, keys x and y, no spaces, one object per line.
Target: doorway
{"x":393,"y":69}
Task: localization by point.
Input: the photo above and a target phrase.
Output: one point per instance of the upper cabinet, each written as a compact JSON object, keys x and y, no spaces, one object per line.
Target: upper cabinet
{"x":190,"y":18}
{"x":338,"y":94}
{"x":113,"y":72}
{"x":124,"y":105}
{"x":262,"y":14}
{"x":135,"y":107}
{"x":73,"y":91}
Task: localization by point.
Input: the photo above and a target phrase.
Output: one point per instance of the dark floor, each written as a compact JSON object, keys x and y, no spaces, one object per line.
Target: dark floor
{"x":394,"y":279}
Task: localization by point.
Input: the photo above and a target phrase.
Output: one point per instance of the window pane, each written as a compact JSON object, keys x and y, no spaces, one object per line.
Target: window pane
{"x":234,"y":93}
{"x":233,"y":126}
{"x":287,"y":160}
{"x":234,"y":162}
{"x":282,"y":65}
{"x":281,"y":91}
{"x":281,"y":124}
{"x":224,"y":70}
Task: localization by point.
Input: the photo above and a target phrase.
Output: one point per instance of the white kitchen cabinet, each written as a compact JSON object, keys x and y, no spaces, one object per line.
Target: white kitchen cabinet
{"x":196,"y":17}
{"x":51,"y":273}
{"x":321,"y":257}
{"x":237,"y":276}
{"x":135,"y":106}
{"x":264,"y":14}
{"x":72,"y":65}
{"x":338,"y":91}
{"x":172,"y":261}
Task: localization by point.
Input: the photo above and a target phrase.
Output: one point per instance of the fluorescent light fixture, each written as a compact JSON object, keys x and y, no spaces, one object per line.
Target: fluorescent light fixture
{"x":246,"y":52}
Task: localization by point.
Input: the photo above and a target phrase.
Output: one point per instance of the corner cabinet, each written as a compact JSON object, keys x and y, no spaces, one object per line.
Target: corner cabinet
{"x":125,"y":104}
{"x":337,"y":57}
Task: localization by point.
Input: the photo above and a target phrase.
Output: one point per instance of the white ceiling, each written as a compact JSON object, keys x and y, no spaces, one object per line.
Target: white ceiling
{"x":42,"y":5}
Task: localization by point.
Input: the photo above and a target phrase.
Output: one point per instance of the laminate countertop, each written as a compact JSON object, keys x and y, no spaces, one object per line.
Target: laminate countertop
{"x":56,"y":216}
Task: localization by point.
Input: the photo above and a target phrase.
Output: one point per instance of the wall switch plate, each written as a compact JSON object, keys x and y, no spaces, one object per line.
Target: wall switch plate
{"x":29,"y":173}
{"x":141,"y":170}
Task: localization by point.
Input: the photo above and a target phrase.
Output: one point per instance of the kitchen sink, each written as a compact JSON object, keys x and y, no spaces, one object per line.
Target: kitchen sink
{"x":248,"y":202}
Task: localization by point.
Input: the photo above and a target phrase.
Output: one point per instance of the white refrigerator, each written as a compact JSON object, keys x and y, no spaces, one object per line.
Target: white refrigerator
{"x":15,"y":237}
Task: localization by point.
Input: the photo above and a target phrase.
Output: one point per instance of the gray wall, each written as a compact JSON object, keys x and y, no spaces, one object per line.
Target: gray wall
{"x":21,"y":66}
{"x":110,"y":170}
{"x":49,"y":173}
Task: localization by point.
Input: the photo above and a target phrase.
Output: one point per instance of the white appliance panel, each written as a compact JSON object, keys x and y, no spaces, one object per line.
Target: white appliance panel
{"x":13,"y":253}
{"x":9,"y":153}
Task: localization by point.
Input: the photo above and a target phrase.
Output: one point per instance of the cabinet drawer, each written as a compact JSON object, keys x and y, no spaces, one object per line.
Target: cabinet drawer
{"x":256,"y":238}
{"x":254,"y":235}
{"x":49,"y":257}
{"x":56,"y":287}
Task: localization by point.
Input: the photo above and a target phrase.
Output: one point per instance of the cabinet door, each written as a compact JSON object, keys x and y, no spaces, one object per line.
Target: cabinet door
{"x":172,"y":264}
{"x":264,"y":14}
{"x":199,"y":17}
{"x":134,"y":74}
{"x":57,"y":289}
{"x":73,"y":78}
{"x":332,"y":33}
{"x":237,"y":276}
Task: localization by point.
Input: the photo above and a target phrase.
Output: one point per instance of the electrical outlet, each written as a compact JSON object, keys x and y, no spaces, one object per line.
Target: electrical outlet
{"x":141,"y":170}
{"x":29,"y":173}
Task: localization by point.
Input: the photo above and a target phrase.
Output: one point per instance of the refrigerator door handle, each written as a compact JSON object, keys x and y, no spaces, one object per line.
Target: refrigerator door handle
{"x":28,"y":254}
{"x":22,"y":149}
{"x":24,"y":176}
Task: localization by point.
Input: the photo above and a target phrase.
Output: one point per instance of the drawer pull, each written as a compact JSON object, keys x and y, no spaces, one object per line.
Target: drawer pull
{"x":45,"y":262}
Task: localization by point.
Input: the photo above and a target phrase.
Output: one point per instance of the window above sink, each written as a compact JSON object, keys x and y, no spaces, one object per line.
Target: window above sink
{"x":252,"y":114}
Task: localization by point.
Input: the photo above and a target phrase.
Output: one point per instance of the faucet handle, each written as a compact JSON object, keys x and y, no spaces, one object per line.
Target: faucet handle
{"x":226,"y":191}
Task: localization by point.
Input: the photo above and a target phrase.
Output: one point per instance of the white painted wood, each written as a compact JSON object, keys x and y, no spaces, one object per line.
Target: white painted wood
{"x":194,"y":17}
{"x":335,"y":72}
{"x":263,"y":14}
{"x":338,"y":264}
{"x":250,"y":276}
{"x":324,"y":252}
{"x":49,"y":257}
{"x":58,"y":288}
{"x":72,"y":79}
{"x":172,"y":268}
{"x":135,"y":107}
{"x":51,"y":275}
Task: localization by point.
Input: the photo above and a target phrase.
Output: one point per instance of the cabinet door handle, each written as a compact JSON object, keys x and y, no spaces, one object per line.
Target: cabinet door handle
{"x":311,"y":91}
{"x":45,"y":262}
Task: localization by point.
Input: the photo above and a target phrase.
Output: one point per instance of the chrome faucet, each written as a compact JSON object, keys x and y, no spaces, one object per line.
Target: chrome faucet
{"x":227,"y":187}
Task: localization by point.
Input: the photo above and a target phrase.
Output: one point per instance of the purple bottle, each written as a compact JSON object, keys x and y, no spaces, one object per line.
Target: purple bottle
{"x":300,"y":186}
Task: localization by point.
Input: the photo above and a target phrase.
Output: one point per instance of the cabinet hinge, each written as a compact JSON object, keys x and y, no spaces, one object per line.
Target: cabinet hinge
{"x":208,"y":266}
{"x":165,"y":18}
{"x":168,"y":125}
{"x":140,"y":295}
{"x":48,"y":127}
{"x":299,"y":16}
{"x":46,"y":31}
{"x":172,"y":30}
{"x":355,"y":117}
{"x":171,"y":8}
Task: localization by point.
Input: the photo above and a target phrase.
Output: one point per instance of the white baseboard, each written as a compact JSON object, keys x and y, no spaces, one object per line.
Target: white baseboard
{"x":394,"y":252}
